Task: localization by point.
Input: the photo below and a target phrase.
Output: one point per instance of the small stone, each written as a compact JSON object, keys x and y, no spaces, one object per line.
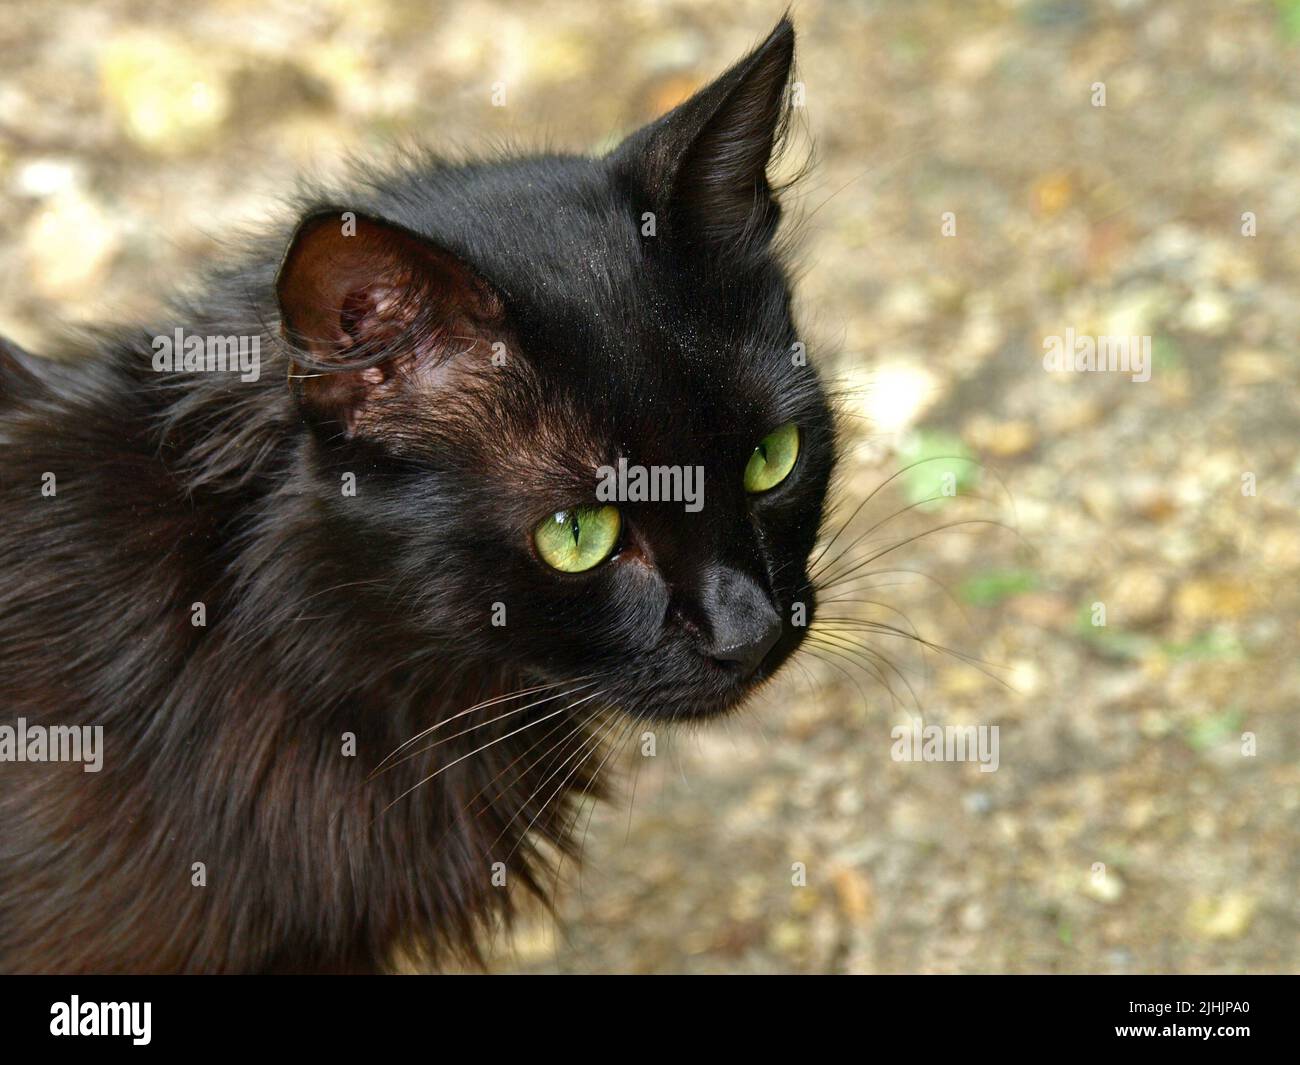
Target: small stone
{"x":962,"y":679}
{"x":1252,"y":366}
{"x":909,"y":819}
{"x":1213,"y":599}
{"x":907,"y":303}
{"x":70,"y":242}
{"x":1136,"y":313}
{"x":1071,"y":415}
{"x":46,"y":177}
{"x":1100,"y":500}
{"x":1052,"y":193}
{"x":1135,"y":597}
{"x":1001,"y":439}
{"x":1105,"y":886}
{"x":556,"y":55}
{"x":895,"y":393}
{"x":977,"y":54}
{"x":981,"y":335}
{"x":1149,"y":498}
{"x":168,"y":96}
{"x":1025,"y":676}
{"x":1279,"y":551}
{"x":1225,"y":917}
{"x":1045,"y":610}
{"x":1154,"y":724}
{"x":787,"y":938}
{"x":854,"y":892}
{"x":805,"y":901}
{"x":974,"y":917}
{"x":1139,"y":812}
{"x":1207,"y":312}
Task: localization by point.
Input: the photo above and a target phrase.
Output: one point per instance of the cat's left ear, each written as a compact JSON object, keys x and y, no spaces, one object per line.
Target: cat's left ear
{"x":371,"y":308}
{"x":704,"y":164}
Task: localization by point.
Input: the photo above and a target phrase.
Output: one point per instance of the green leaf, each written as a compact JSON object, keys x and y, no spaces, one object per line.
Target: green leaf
{"x":1289,"y":18}
{"x":1112,"y":643}
{"x":1212,"y":730}
{"x":992,"y":586}
{"x":1211,"y":645}
{"x":941,"y":466}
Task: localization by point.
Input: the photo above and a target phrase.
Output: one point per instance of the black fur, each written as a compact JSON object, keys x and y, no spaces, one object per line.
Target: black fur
{"x":371,"y":614}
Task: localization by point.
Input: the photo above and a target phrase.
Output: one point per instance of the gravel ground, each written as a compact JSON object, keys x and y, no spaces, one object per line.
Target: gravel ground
{"x":973,"y":195}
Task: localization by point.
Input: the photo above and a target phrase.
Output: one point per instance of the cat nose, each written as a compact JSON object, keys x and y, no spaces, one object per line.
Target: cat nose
{"x":743,"y":623}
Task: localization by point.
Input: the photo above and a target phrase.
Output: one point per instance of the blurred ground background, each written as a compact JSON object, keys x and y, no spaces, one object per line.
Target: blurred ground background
{"x":135,"y":136}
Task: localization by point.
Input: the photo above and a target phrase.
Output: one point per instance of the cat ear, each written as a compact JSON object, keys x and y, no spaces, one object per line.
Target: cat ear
{"x":705,"y":162}
{"x":370,"y":307}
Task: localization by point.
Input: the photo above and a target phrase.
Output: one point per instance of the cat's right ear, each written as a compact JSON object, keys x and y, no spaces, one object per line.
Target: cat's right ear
{"x":370,"y":308}
{"x":704,"y":164}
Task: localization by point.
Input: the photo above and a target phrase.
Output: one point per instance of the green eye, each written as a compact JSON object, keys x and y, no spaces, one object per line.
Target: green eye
{"x":575,"y":540}
{"x":773,"y":459}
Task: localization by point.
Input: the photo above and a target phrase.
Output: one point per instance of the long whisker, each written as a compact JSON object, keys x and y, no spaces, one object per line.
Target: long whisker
{"x":871,"y":655}
{"x":490,"y":743}
{"x":850,"y":582}
{"x":919,"y":536}
{"x":872,"y":494}
{"x":885,"y":629}
{"x":479,"y":706}
{"x":828,"y":567}
{"x":615,"y":748}
{"x":593,"y":742}
{"x":520,"y":757}
{"x":813,"y":645}
{"x":833,"y":623}
{"x":545,"y":758}
{"x":479,"y":725}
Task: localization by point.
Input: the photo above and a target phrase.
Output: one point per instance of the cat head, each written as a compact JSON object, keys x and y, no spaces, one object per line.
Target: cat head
{"x":585,"y":440}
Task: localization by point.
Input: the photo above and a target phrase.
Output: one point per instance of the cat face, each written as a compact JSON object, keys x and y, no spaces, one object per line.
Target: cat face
{"x":588,"y":447}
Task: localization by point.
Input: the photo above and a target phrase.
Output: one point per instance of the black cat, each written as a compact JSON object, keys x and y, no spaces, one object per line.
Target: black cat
{"x":355,"y":622}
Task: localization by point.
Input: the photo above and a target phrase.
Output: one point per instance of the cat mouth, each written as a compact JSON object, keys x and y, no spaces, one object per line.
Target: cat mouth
{"x":723,"y":688}
{"x":782,"y":650}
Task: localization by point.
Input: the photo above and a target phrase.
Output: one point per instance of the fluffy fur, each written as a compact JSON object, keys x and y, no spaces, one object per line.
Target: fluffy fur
{"x":329,"y":614}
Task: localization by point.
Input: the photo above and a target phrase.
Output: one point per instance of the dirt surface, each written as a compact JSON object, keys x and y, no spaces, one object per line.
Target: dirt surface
{"x":988,"y":175}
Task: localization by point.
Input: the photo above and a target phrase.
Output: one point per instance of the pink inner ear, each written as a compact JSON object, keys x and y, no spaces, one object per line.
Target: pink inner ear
{"x":375,"y":306}
{"x":357,"y":306}
{"x":339,"y":289}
